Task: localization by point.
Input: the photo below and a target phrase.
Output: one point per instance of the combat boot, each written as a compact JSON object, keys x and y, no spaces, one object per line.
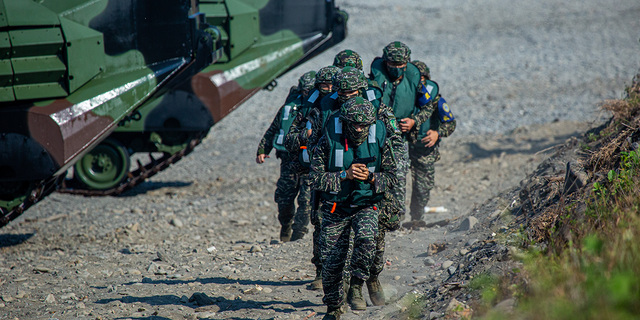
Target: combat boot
{"x":375,"y":291}
{"x":285,"y":233}
{"x":356,"y":302}
{"x":297,"y":235}
{"x":316,"y":284}
{"x":333,"y":313}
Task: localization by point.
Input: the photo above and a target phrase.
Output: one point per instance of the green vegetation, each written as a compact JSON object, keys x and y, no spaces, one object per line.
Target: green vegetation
{"x":591,"y":267}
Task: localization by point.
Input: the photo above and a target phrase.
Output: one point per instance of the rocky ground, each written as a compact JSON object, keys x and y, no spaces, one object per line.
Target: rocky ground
{"x":521,"y":79}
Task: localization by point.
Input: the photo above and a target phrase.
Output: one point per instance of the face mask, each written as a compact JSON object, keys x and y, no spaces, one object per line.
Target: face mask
{"x":357,"y":138}
{"x":396,"y":73}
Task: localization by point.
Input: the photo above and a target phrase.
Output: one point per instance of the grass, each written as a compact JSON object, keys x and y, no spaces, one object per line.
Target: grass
{"x":590,"y":268}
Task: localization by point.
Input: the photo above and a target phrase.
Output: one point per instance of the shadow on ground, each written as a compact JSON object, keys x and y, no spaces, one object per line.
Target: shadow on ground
{"x":220,"y":280}
{"x":152,"y":186}
{"x":477,"y":152}
{"x":9,"y":240}
{"x":222,"y":303}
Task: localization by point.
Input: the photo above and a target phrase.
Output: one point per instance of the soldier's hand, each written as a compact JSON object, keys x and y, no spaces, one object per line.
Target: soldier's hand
{"x":406,"y":124}
{"x":260,"y":158}
{"x":309,"y":131}
{"x":360,"y":171}
{"x":431,"y":138}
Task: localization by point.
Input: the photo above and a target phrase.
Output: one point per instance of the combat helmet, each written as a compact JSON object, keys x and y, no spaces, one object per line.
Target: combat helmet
{"x":396,"y":52}
{"x":358,"y":111}
{"x":349,"y":79}
{"x":424,"y":69}
{"x":326,"y":74}
{"x":307,"y":81}
{"x":348,"y":58}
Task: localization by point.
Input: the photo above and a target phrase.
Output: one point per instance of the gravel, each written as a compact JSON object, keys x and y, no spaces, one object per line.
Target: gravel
{"x":520,"y":77}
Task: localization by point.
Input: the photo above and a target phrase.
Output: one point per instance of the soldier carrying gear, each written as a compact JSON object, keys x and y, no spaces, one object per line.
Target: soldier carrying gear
{"x":348,"y":58}
{"x":423,"y":147}
{"x":288,"y":184}
{"x":350,"y":193}
{"x":299,"y":142}
{"x":404,"y":94}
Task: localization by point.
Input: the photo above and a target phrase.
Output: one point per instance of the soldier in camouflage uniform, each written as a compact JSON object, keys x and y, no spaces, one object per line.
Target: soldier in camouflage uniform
{"x":423,"y":148}
{"x":289,"y":182}
{"x":404,"y":94}
{"x":350,"y":192}
{"x":299,"y":142}
{"x":350,"y":83}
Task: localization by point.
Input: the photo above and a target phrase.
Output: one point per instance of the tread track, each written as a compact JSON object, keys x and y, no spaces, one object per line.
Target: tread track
{"x":41,"y":190}
{"x":139,"y":175}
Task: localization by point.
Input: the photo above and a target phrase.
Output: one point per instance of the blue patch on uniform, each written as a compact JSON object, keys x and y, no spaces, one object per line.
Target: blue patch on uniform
{"x":425,"y":96}
{"x":444,"y":111}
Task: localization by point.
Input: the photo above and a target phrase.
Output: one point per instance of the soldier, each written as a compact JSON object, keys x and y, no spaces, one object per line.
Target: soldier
{"x":423,"y":146}
{"x":352,"y":83}
{"x":288,"y":184}
{"x":298,"y":142}
{"x":352,"y":166}
{"x":405,"y":95}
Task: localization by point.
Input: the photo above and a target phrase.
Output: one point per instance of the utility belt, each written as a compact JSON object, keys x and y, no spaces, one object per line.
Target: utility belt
{"x":335,"y":205}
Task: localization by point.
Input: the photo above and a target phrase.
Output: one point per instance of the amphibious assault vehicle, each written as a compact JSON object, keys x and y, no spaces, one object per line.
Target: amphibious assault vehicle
{"x":87,"y":83}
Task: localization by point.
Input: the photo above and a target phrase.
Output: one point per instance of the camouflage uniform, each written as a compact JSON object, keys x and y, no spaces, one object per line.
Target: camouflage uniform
{"x":353,"y":79}
{"x":294,"y":140}
{"x":422,"y":158}
{"x":339,"y":219}
{"x":289,"y":183}
{"x":398,"y":52}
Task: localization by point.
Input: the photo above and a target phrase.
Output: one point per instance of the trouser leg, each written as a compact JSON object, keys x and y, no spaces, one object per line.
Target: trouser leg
{"x":334,"y":240}
{"x":399,"y":191}
{"x":365,"y":230}
{"x":302,"y":216}
{"x":287,"y":189}
{"x":423,"y":177}
{"x":316,"y":220}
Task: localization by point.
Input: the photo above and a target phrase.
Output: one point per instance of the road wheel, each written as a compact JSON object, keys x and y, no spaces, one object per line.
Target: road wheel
{"x":104,"y":167}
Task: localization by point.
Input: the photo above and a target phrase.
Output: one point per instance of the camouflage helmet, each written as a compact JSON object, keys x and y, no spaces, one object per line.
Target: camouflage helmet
{"x":325,"y":75}
{"x":424,"y":69}
{"x":348,"y":58}
{"x":307,"y":81}
{"x":349,"y":79}
{"x":358,"y":110}
{"x":396,"y":52}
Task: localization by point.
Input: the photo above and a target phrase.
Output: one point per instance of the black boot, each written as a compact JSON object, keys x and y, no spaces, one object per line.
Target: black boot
{"x":298,"y":234}
{"x":285,"y":216}
{"x":317,"y":282}
{"x":356,"y":302}
{"x":285,"y":233}
{"x":333,"y":313}
{"x":375,"y":291}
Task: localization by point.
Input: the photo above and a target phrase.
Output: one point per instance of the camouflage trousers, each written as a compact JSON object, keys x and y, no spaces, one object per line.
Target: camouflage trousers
{"x":399,"y":191}
{"x":423,"y":177}
{"x":316,"y":221}
{"x":303,"y":213}
{"x":287,"y":189}
{"x":388,"y":220}
{"x":334,"y":240}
